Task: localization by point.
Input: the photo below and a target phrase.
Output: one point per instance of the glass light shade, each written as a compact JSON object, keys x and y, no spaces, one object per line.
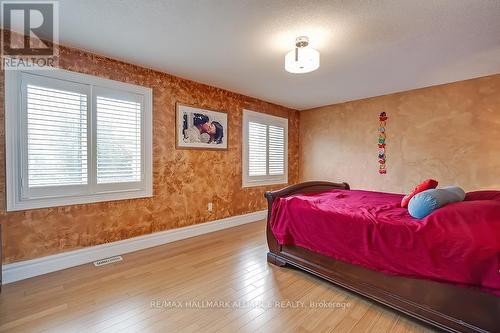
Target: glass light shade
{"x":302,"y":60}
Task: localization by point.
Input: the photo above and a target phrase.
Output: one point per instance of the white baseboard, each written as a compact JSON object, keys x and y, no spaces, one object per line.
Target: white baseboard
{"x":29,"y":268}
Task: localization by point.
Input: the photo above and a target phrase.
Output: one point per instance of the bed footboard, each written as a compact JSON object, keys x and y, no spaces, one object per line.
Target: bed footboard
{"x":307,"y":187}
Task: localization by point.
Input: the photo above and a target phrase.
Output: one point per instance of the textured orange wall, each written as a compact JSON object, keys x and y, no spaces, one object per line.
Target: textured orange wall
{"x":184,"y":180}
{"x":449,"y":132}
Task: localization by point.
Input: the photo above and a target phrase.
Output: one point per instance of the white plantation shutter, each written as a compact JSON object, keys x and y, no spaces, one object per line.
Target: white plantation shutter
{"x":276,"y":150}
{"x":257,"y":149}
{"x":73,"y":138}
{"x":264,"y":149}
{"x":56,"y":137}
{"x":118,"y":141}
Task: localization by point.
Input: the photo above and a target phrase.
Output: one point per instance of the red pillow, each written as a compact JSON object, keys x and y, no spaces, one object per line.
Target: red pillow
{"x":425,"y":185}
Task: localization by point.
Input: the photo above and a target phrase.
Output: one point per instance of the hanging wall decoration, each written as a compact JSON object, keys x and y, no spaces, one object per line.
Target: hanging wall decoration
{"x":381,"y":144}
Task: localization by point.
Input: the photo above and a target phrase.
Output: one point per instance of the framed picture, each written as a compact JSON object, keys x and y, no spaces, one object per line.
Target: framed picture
{"x":200,"y":128}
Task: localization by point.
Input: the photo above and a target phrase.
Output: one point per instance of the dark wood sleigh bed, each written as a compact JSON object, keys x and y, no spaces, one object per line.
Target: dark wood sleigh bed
{"x":442,"y":305}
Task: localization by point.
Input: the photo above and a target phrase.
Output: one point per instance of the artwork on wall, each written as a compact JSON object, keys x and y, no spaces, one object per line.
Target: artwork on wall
{"x":381,"y":143}
{"x":200,"y":128}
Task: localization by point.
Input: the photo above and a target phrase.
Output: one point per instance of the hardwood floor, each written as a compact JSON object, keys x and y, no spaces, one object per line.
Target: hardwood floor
{"x":169,"y":289}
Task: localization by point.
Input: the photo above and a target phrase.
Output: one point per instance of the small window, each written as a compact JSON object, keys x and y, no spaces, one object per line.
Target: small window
{"x":118,"y":138}
{"x":73,"y":138}
{"x":265,"y":149}
{"x":56,"y":133}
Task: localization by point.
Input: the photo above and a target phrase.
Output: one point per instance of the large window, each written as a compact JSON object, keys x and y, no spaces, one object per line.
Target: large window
{"x":74,"y":138}
{"x":265,"y":149}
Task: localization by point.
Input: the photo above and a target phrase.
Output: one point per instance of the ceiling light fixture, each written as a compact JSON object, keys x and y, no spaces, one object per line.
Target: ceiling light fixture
{"x":302,"y":59}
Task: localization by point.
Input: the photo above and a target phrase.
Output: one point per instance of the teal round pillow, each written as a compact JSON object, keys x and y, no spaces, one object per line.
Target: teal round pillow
{"x":428,"y":201}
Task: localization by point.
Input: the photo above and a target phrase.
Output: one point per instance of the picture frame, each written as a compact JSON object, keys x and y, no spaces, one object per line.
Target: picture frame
{"x":200,"y":128}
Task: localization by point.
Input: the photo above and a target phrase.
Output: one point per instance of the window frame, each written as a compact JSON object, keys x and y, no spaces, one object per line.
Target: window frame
{"x":18,"y":198}
{"x":268,"y":120}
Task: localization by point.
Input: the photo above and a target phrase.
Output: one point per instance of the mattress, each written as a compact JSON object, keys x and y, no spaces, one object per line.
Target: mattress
{"x":458,"y":243}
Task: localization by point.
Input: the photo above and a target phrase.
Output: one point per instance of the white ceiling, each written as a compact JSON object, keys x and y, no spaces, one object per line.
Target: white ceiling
{"x":368,"y":48}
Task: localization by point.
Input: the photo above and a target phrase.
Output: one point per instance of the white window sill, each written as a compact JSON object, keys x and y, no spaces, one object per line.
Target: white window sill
{"x":265,"y":182}
{"x":76,"y":200}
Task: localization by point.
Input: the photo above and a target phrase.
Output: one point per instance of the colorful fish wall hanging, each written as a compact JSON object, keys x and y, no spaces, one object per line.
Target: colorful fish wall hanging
{"x":382,"y":157}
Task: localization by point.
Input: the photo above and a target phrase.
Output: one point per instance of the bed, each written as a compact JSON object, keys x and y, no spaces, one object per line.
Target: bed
{"x":365,"y":243}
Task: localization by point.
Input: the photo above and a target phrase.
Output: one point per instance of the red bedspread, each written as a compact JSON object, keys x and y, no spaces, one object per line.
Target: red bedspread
{"x":458,"y":243}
